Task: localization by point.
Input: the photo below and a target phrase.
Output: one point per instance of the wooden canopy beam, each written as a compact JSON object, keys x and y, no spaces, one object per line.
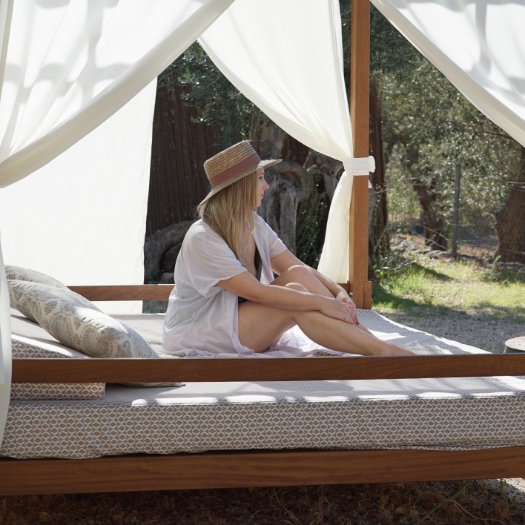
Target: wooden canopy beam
{"x":359,"y":114}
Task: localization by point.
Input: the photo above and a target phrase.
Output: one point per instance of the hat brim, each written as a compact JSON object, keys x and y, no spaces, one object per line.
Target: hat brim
{"x":262,"y":164}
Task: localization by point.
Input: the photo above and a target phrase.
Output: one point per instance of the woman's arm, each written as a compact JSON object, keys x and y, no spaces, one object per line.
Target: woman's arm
{"x":287,"y":259}
{"x":284,"y":298}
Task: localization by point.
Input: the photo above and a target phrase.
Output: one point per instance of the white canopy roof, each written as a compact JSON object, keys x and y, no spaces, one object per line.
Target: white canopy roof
{"x":479,"y":45}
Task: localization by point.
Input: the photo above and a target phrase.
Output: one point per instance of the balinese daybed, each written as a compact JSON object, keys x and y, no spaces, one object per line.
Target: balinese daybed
{"x":256,"y":422}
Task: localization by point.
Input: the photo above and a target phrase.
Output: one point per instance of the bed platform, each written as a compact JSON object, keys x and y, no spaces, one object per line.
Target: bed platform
{"x":257,"y":422}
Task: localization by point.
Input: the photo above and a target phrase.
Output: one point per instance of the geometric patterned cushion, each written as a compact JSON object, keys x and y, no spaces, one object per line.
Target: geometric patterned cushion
{"x":26,"y":348}
{"x":75,"y":322}
{"x":18,"y":273}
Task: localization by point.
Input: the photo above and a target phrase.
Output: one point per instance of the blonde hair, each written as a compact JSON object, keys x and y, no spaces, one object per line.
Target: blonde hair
{"x":230,"y":213}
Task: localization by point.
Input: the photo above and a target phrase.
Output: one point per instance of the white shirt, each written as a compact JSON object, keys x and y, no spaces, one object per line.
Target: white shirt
{"x":202,"y":316}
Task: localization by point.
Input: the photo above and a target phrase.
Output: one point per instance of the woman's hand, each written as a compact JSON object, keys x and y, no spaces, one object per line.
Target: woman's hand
{"x":345,"y":298}
{"x":342,"y":310}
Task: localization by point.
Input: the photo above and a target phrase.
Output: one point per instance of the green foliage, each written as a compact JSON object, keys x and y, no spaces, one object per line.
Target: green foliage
{"x":429,"y":127}
{"x":309,"y":230}
{"x":216,"y":100}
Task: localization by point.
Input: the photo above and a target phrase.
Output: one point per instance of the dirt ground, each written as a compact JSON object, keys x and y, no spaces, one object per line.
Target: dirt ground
{"x":454,"y":503}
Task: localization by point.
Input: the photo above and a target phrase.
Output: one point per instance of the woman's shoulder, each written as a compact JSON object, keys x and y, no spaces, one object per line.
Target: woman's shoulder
{"x":201,"y":233}
{"x":262,"y":227}
{"x":199,"y":229}
{"x":260,"y":222}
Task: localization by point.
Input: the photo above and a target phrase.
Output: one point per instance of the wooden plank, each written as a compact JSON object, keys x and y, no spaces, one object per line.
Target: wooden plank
{"x":212,"y":370}
{"x":255,"y":469}
{"x":359,"y":114}
{"x":143,"y":292}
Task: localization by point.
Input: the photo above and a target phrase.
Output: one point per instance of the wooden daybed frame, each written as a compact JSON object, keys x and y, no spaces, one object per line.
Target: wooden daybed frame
{"x":267,"y":468}
{"x":252,"y":468}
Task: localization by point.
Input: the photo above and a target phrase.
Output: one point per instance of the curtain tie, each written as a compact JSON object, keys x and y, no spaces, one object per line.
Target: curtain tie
{"x":360,"y":166}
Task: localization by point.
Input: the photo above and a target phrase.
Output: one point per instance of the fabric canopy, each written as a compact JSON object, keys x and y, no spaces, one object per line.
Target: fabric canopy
{"x":298,"y":82}
{"x":65,"y":67}
{"x":478,"y":45}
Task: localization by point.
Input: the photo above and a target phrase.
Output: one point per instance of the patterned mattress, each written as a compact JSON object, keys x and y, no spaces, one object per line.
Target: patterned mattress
{"x":390,"y":414}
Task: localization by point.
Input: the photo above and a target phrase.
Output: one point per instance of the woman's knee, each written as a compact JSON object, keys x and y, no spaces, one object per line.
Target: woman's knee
{"x":295,"y":274}
{"x":297,"y":271}
{"x":296,"y":286}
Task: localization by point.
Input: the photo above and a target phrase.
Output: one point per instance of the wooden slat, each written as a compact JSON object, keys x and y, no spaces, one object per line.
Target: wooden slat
{"x":206,"y":370}
{"x":143,"y":292}
{"x":359,"y":114}
{"x":255,"y":469}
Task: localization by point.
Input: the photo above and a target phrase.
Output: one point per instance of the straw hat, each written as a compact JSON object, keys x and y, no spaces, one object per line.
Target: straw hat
{"x":232,"y":164}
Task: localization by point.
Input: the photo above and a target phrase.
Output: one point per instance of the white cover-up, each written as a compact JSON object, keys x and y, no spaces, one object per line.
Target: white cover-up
{"x":202,"y":317}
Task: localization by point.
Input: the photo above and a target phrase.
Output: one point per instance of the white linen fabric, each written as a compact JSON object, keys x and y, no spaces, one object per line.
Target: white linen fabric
{"x":81,"y":217}
{"x":201,"y":318}
{"x":65,"y":67}
{"x":479,"y":46}
{"x":5,"y":347}
{"x":297,"y":80}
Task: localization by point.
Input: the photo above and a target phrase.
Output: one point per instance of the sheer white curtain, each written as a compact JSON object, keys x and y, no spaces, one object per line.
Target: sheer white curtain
{"x":479,"y":46}
{"x":286,"y":57}
{"x":5,"y":349}
{"x":65,"y":67}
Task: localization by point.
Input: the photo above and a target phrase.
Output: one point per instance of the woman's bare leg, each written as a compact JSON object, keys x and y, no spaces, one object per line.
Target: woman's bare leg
{"x":301,"y":275}
{"x":261,"y":326}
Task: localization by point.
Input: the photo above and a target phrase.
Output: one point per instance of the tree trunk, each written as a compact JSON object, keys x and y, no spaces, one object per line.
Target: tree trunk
{"x":379,"y":240}
{"x":158,"y":244}
{"x":434,"y":224}
{"x":285,"y":181}
{"x":510,"y":221}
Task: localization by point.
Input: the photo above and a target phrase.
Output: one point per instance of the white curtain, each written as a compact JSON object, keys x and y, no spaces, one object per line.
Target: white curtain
{"x":286,"y":57}
{"x":5,"y":349}
{"x":478,"y":45}
{"x":82,"y":217}
{"x":67,"y":66}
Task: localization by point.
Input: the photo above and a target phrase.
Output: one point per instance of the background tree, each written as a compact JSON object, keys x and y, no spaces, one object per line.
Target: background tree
{"x":420,"y":128}
{"x":428,"y":127}
{"x":510,"y":220}
{"x":218,"y":103}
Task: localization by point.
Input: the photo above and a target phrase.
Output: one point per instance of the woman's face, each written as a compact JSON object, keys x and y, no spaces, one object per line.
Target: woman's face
{"x":262,"y":186}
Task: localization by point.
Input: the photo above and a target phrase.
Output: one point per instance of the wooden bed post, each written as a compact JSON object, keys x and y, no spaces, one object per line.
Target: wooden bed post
{"x":359,"y":113}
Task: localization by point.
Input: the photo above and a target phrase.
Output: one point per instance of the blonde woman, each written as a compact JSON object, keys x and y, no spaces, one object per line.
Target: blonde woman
{"x":226,"y":297}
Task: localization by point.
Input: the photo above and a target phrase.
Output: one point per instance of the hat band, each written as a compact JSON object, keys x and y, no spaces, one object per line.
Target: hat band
{"x":249,"y":162}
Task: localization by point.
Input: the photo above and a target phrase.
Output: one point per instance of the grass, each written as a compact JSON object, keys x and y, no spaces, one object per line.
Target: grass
{"x":427,"y":285}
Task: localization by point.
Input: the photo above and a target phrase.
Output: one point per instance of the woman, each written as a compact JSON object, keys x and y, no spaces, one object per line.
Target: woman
{"x":226,"y":298}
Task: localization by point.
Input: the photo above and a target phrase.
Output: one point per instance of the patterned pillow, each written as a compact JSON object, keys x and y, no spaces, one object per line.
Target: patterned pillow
{"x":75,"y":322}
{"x":26,"y":348}
{"x":17,"y":273}
{"x":27,"y":297}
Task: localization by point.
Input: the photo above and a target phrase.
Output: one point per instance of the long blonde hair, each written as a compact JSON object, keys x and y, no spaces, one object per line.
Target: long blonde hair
{"x":230,"y":213}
